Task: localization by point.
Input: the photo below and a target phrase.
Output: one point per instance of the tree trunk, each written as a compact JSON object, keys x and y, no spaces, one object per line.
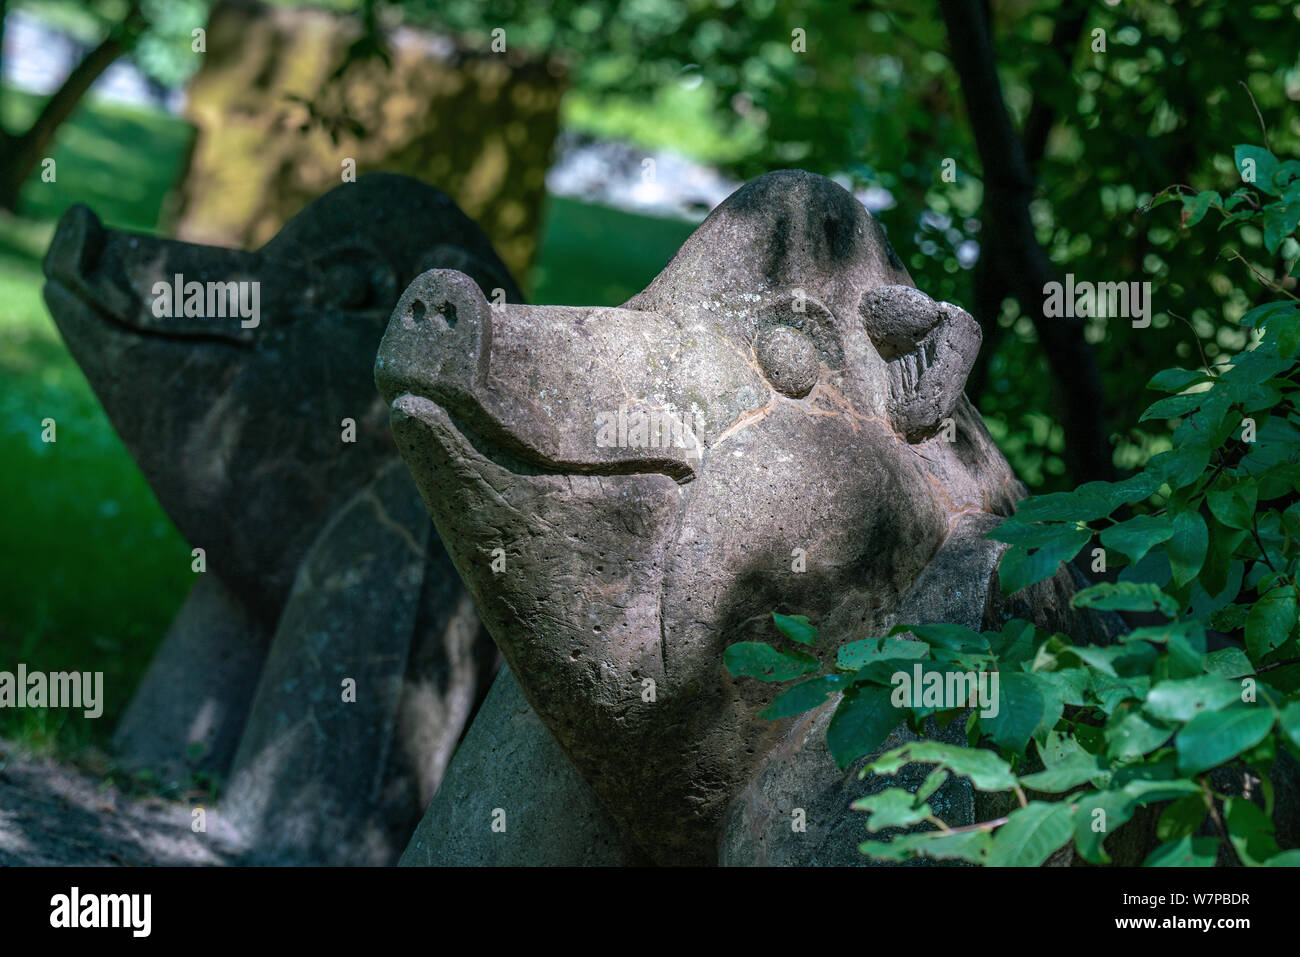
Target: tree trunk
{"x":1016,"y":261}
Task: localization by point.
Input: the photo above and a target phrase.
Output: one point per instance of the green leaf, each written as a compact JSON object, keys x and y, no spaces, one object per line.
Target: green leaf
{"x":1019,"y":710}
{"x":1172,"y":407}
{"x":1125,"y":596}
{"x":1195,"y":207}
{"x":1219,"y":571}
{"x":1176,"y":380}
{"x":1186,"y":548}
{"x":796,"y":628}
{"x":1228,"y":663}
{"x":1184,"y":852}
{"x":1234,"y":507}
{"x":1130,"y":734}
{"x":1271,"y":620}
{"x":1186,"y":654}
{"x":1015,"y":643}
{"x":1285,"y":859}
{"x":1181,"y":818}
{"x":1068,"y":684}
{"x":1057,"y":748}
{"x":1081,"y":505}
{"x":1111,"y":692}
{"x":1020,"y":568}
{"x":1289,"y":722}
{"x":1256,"y":165}
{"x":892,"y":807}
{"x":1078,"y":768}
{"x":1030,"y":534}
{"x":987,"y":771}
{"x":1182,"y":466}
{"x":1261,"y":314}
{"x":933,"y":781}
{"x":944,"y":635}
{"x":1236,"y":199}
{"x":1097,"y":816}
{"x":1101,"y":813}
{"x":804,"y":696}
{"x":1031,"y":835}
{"x":757,"y":659}
{"x":857,"y":654}
{"x":1250,"y":831}
{"x":1136,"y":536}
{"x":1184,"y":699}
{"x":1192,"y":632}
{"x":1135,"y":488}
{"x":970,"y":846}
{"x":1280,"y":220}
{"x":1214,"y":737}
{"x":1285,"y":178}
{"x":1287,"y":328}
{"x":1147,"y":787}
{"x":861,"y":723}
{"x":1230,"y":618}
{"x":1253,"y":368}
{"x":1098,"y":658}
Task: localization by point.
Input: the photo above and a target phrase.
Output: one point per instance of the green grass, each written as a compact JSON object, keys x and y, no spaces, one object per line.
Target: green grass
{"x":121,"y":161}
{"x":595,"y":256}
{"x":675,"y":117}
{"x":91,"y":569}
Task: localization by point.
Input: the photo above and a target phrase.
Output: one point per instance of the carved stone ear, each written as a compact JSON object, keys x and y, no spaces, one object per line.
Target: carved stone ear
{"x":929,"y":348}
{"x":487,"y":276}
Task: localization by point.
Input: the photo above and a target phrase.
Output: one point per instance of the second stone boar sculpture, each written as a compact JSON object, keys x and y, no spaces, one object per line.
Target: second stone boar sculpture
{"x":623,"y":489}
{"x":259,"y":431}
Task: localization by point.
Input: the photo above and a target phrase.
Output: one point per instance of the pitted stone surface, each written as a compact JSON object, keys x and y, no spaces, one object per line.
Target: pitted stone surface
{"x":510,"y":772}
{"x":614,"y":574}
{"x":238,"y":425}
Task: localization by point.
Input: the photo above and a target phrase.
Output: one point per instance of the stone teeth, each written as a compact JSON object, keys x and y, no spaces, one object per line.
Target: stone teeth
{"x":905,"y":371}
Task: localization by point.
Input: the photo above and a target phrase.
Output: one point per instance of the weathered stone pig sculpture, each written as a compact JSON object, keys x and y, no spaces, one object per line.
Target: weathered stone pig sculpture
{"x":322,"y":566}
{"x":798,"y":390}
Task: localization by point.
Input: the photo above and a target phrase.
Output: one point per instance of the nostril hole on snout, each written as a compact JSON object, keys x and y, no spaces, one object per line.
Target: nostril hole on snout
{"x":448,"y":310}
{"x":418,"y":310}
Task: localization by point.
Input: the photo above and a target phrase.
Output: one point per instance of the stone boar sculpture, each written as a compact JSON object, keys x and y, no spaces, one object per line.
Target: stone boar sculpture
{"x":255,"y":422}
{"x":802,"y":398}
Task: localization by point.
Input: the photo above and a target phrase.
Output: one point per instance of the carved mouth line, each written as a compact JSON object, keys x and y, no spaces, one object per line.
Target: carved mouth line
{"x":498,"y":446}
{"x":60,"y":289}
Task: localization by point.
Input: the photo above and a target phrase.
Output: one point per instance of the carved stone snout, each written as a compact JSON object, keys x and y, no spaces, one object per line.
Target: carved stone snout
{"x":929,"y":347}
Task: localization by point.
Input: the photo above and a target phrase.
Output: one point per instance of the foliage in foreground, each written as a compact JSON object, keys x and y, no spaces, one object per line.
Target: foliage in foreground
{"x":1208,"y":535}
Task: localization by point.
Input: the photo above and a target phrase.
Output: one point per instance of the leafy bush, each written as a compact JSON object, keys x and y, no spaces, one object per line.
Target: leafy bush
{"x":1207,"y":538}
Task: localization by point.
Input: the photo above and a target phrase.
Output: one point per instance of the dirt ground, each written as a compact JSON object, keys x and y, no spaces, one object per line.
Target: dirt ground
{"x":53,"y":813}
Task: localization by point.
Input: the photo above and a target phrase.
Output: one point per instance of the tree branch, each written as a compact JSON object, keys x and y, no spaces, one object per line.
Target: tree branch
{"x":1014,"y":252}
{"x":23,"y":152}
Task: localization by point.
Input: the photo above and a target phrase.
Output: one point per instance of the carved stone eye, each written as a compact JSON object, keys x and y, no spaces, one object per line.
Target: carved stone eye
{"x":352,"y":278}
{"x":347,"y":286}
{"x":789,"y":360}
